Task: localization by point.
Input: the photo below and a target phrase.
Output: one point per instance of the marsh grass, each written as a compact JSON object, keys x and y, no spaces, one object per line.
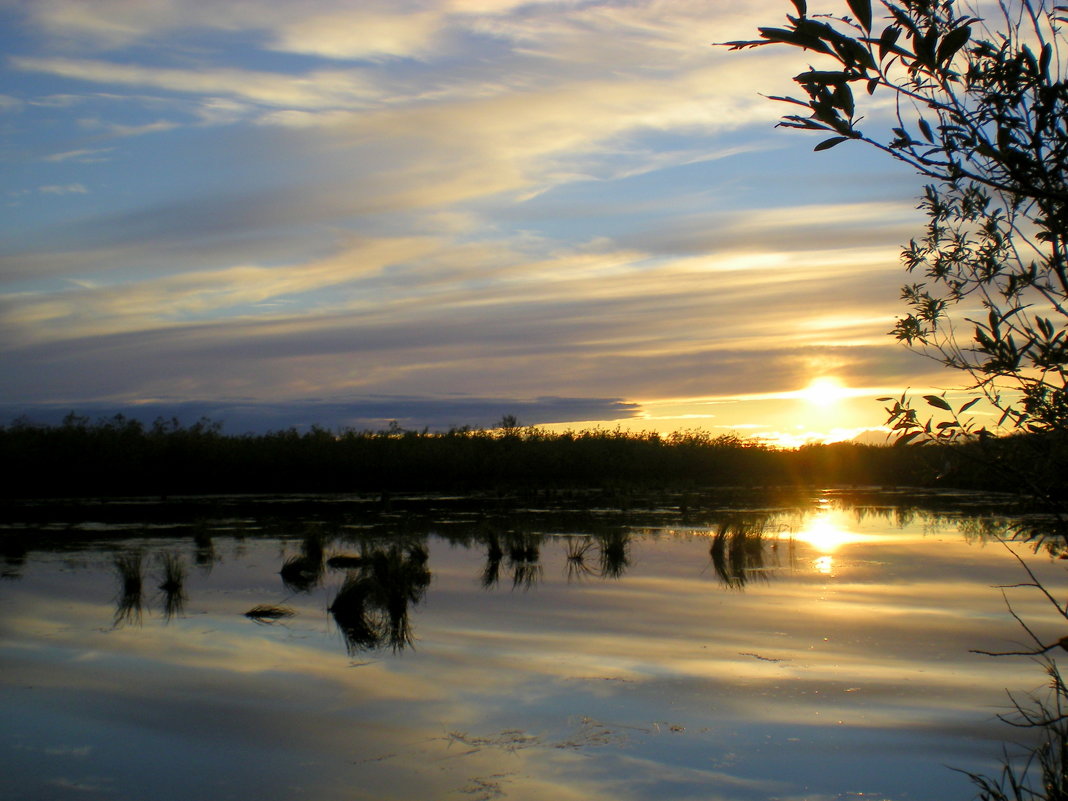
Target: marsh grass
{"x":172,"y":584}
{"x":118,"y":456}
{"x":738,"y":552}
{"x":614,"y":554}
{"x":129,"y":602}
{"x":491,"y":571}
{"x":371,"y":609}
{"x":269,"y":613}
{"x":204,"y":554}
{"x":1040,"y":771}
{"x":304,"y":572}
{"x":524,"y":557}
{"x":576,"y":562}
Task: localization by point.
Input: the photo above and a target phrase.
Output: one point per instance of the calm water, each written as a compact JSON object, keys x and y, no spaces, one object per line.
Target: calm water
{"x":457,"y":650}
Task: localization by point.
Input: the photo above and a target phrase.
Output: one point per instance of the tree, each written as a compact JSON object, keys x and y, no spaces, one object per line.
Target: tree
{"x":981,"y":110}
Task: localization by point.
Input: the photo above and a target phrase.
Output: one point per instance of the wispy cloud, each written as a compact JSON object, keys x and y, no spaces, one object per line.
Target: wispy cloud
{"x":490,"y":197}
{"x":313,"y":90}
{"x":83,"y":155}
{"x":66,"y":189}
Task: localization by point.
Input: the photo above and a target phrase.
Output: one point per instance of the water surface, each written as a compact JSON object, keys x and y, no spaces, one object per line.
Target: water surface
{"x":457,"y":649}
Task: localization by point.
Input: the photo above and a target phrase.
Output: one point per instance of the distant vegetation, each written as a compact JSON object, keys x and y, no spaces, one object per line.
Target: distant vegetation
{"x":118,"y":456}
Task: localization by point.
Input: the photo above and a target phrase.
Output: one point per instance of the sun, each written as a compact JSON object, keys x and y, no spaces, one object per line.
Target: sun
{"x":824,"y":391}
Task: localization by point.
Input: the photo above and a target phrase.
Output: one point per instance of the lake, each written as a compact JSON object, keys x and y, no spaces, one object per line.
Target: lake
{"x":579,"y":647}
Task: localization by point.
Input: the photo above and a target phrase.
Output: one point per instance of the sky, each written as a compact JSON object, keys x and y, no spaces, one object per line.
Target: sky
{"x":438,"y":212}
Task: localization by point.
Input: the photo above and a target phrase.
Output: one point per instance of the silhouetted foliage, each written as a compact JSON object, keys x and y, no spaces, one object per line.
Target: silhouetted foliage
{"x":980,"y":109}
{"x":118,"y":457}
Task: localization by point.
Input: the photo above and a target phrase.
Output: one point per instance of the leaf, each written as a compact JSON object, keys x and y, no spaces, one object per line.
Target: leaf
{"x":801,"y":6}
{"x":938,"y":402}
{"x":969,"y":405}
{"x":783,"y":99}
{"x":862,"y":9}
{"x":827,"y":144}
{"x":823,"y":77}
{"x":925,"y":129}
{"x":795,"y":37}
{"x":905,"y":439}
{"x":952,"y":42}
{"x":887,"y":40}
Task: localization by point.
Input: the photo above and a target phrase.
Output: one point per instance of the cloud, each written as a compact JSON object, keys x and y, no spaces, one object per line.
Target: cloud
{"x":429,"y":198}
{"x":83,"y":155}
{"x":312,"y":90}
{"x":359,"y":33}
{"x":67,"y":189}
{"x":372,"y":413}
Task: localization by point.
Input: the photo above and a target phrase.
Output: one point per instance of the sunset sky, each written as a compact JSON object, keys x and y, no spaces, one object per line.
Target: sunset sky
{"x":439,"y":212}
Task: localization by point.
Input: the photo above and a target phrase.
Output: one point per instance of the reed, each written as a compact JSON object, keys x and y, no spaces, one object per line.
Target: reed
{"x":128,"y":604}
{"x":118,"y":456}
{"x":172,"y":584}
{"x":269,"y":613}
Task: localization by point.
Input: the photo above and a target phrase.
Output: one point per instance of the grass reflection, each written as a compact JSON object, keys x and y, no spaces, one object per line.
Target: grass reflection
{"x":371,"y":609}
{"x":172,"y":584}
{"x":576,"y":565}
{"x":128,"y":605}
{"x":268,"y":613}
{"x":491,"y":571}
{"x":614,"y":554}
{"x":524,"y":556}
{"x":204,"y":554}
{"x":303,"y":572}
{"x":738,"y":551}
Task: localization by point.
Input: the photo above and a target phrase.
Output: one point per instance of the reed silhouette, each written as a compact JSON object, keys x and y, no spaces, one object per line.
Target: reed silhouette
{"x":491,"y":571}
{"x":303,"y":572}
{"x":172,"y":584}
{"x":118,"y":456}
{"x":371,"y":609}
{"x":268,"y":613}
{"x":204,"y":554}
{"x":738,"y":551}
{"x":524,"y":558}
{"x":576,"y":561}
{"x":129,"y":602}
{"x":614,"y":553}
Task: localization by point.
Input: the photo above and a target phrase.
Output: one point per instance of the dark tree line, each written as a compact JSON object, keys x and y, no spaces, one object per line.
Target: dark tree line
{"x":118,"y":456}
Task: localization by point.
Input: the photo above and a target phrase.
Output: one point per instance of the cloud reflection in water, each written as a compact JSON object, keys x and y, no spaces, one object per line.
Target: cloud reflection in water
{"x":646,"y":674}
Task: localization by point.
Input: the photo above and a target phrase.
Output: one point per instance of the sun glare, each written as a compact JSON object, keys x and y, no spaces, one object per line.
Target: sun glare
{"x":826,"y":534}
{"x":824,"y":391}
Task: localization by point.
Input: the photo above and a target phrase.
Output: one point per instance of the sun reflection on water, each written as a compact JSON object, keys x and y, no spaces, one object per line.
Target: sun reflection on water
{"x":824,"y":565}
{"x":826,"y":532}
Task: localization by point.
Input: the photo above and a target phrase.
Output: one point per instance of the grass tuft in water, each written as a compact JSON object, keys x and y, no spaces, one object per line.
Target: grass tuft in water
{"x":128,"y":604}
{"x":172,"y":584}
{"x":269,"y":613}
